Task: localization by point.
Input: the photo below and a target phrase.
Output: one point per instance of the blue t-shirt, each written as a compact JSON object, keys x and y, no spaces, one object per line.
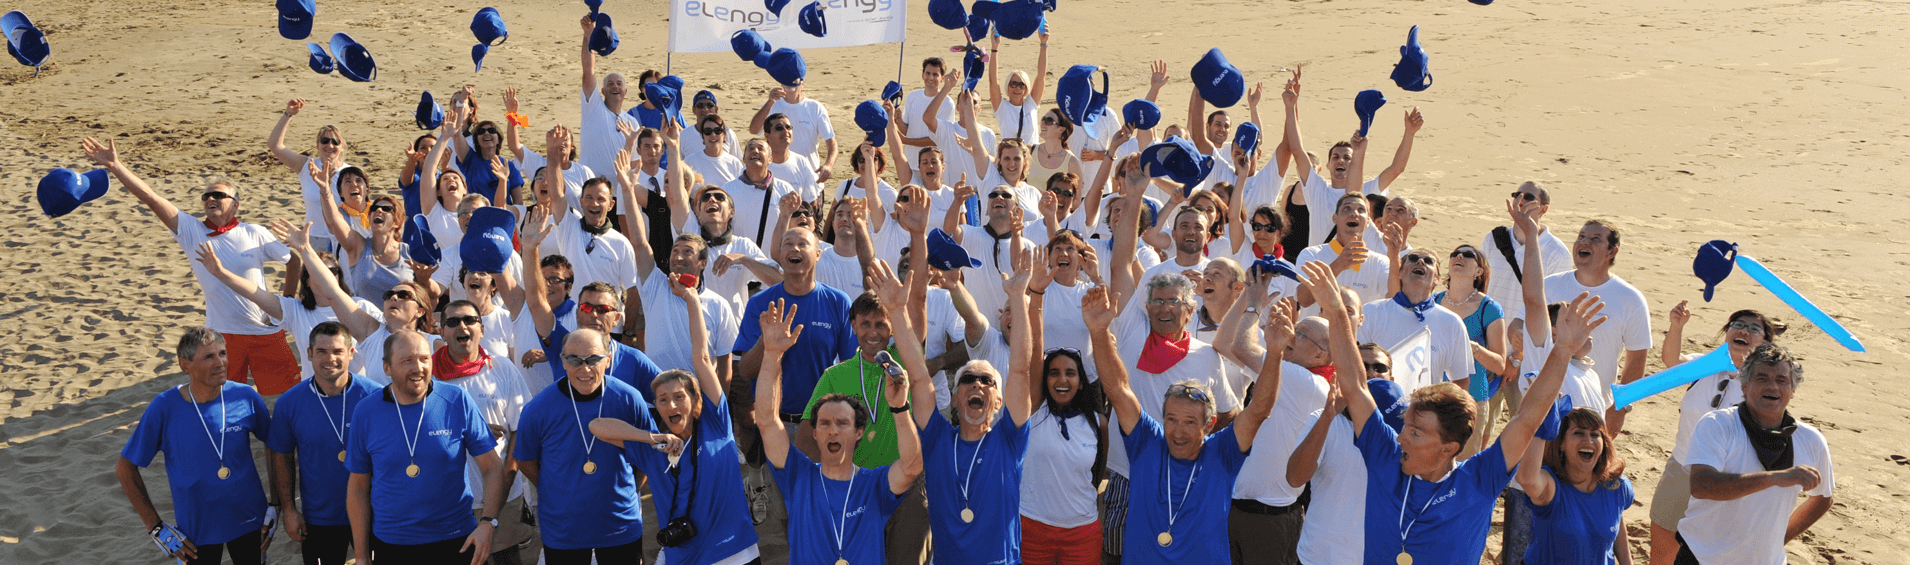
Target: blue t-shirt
{"x":581,"y":510}
{"x":436,"y":504}
{"x":629,"y":364}
{"x":479,"y":180}
{"x":1578,"y":528}
{"x":826,"y":338}
{"x":315,"y":426}
{"x":713,"y":483}
{"x":410,"y":189}
{"x":993,"y":490}
{"x":1157,"y":478}
{"x":817,"y":512}
{"x":206,"y":508}
{"x":1489,"y":311}
{"x":1449,"y":519}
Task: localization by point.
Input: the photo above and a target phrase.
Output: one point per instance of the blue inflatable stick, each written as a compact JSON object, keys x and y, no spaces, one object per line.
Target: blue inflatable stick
{"x":1718,"y":360}
{"x":1797,"y":301}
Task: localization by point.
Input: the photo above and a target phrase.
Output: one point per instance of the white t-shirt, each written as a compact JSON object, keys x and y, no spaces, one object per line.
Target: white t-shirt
{"x":299,"y":322}
{"x":666,"y":324}
{"x":718,"y":170}
{"x":840,"y":273}
{"x":1581,"y":382}
{"x":732,"y":285}
{"x":599,"y":139}
{"x":1263,"y":189}
{"x":448,"y":267}
{"x":1202,"y":364}
{"x":956,"y":160}
{"x":369,"y":360}
{"x":609,"y":257}
{"x":1367,"y":279}
{"x":1505,"y":288}
{"x":800,"y":172}
{"x":811,"y":120}
{"x":752,"y":216}
{"x":1749,"y":530}
{"x":1335,"y":529}
{"x":524,"y":340}
{"x":499,"y":392}
{"x":314,"y":210}
{"x":1077,"y":220}
{"x":1018,"y":121}
{"x":444,"y":227}
{"x":574,"y":177}
{"x":1095,"y":137}
{"x":913,"y":106}
{"x":998,"y":261}
{"x":1057,"y":473}
{"x":992,"y":347}
{"x":1104,"y":250}
{"x":1170,"y":266}
{"x":1388,"y":324}
{"x":1627,"y":324}
{"x":692,"y":143}
{"x":1061,"y":323}
{"x":1263,"y":477}
{"x":848,"y":189}
{"x":243,"y":251}
{"x":944,"y":326}
{"x":1321,"y":201}
{"x":1026,"y":195}
{"x":1697,"y":403}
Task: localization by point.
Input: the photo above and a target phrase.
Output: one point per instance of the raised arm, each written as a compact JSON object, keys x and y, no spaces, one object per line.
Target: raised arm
{"x":952,"y":221}
{"x":965,"y":111}
{"x":1405,"y":151}
{"x":428,"y":182}
{"x":107,"y":155}
{"x":1133,"y":185}
{"x":349,"y":313}
{"x":1290,"y":97}
{"x":542,"y":320}
{"x":590,"y":59}
{"x":1020,"y":341}
{"x":904,"y":170}
{"x":705,"y":367}
{"x":1575,"y":325}
{"x":1306,"y":456}
{"x":936,"y":99}
{"x":462,"y":100}
{"x":348,"y":238}
{"x":904,"y":390}
{"x":1267,"y":389}
{"x":912,"y":216}
{"x":974,"y":325}
{"x":994,"y":85}
{"x":1532,"y":288}
{"x":510,"y":125}
{"x":1344,"y":347}
{"x":1197,"y":125}
{"x":1098,"y":311}
{"x":275,"y":142}
{"x":1233,"y":338}
{"x":1038,"y":81}
{"x":779,"y":334}
{"x":1538,"y":484}
{"x":1672,"y":351}
{"x":267,"y":301}
{"x":633,"y":216}
{"x":762,"y":114}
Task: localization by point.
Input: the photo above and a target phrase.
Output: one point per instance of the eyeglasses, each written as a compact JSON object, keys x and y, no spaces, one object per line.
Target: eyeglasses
{"x":1315,"y":342}
{"x":778,"y":128}
{"x":596,"y":309}
{"x":902,"y":198}
{"x":1001,"y":194}
{"x":1465,"y":252}
{"x":455,"y":321}
{"x":973,"y":378}
{"x":1745,"y":325}
{"x":332,"y":141}
{"x":1050,"y":121}
{"x":1527,"y":196}
{"x":383,"y":208}
{"x":399,"y":294}
{"x":1718,"y":398}
{"x":1165,"y":302}
{"x":714,"y":196}
{"x":1380,"y":368}
{"x":554,"y":281}
{"x":576,"y":361}
{"x":214,"y":195}
{"x":1269,"y":228}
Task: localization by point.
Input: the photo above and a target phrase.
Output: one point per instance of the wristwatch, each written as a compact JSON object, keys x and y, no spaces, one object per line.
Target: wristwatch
{"x":488,"y":520}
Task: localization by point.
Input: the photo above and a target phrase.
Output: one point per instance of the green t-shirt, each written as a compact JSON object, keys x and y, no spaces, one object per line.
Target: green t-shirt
{"x":852,"y":378}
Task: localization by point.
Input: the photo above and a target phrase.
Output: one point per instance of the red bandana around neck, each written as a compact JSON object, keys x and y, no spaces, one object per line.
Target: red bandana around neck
{"x":220,"y":230}
{"x":1324,"y":371}
{"x":1161,"y":353}
{"x":445,"y":369}
{"x":1278,"y":251}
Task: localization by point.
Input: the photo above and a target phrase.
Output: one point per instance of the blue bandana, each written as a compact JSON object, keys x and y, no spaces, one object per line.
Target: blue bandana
{"x":1419,"y":309}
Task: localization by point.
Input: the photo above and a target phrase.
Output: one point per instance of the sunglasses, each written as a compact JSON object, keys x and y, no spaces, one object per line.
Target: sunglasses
{"x":1001,"y":194}
{"x":1467,"y":253}
{"x":1050,"y":121}
{"x":399,"y":294}
{"x":554,"y":281}
{"x":702,"y":106}
{"x":596,"y":309}
{"x":214,"y":195}
{"x":576,"y":361}
{"x":711,"y":131}
{"x":1718,"y":398}
{"x":903,"y":198}
{"x":383,"y":208}
{"x":1526,"y":196}
{"x":802,"y":213}
{"x":1748,"y":327}
{"x":778,"y":128}
{"x":1064,"y":193}
{"x":332,"y":141}
{"x":973,"y":378}
{"x":492,"y":131}
{"x":1421,"y":259}
{"x":1017,"y":84}
{"x":1380,"y":368}
{"x":455,"y":321}
{"x":1269,"y":228}
{"x":713,"y":196}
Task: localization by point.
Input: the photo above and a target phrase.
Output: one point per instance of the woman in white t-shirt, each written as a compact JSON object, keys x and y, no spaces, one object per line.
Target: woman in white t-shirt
{"x":870,"y":164}
{"x":297,"y":316}
{"x":1745,"y":330}
{"x":447,"y":189}
{"x":1015,"y":115}
{"x":328,"y":148}
{"x":1010,"y":167}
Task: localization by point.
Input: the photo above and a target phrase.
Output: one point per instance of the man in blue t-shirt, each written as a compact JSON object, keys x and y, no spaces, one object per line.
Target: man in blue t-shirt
{"x":599,"y":307}
{"x":407,"y":495}
{"x":202,"y":427}
{"x":309,"y":426}
{"x":1424,"y":506}
{"x":823,"y":311}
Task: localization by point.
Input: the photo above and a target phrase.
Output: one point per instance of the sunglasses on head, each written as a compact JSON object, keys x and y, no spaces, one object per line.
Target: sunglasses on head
{"x":1001,"y":194}
{"x":576,"y":361}
{"x":972,"y":378}
{"x":1467,"y":253}
{"x":596,"y":309}
{"x":332,"y":141}
{"x":713,"y":196}
{"x":1189,"y":392}
{"x":214,"y":195}
{"x":455,"y":321}
{"x":1269,"y":228}
{"x":383,"y":208}
{"x":399,"y":294}
{"x":1527,"y":196}
{"x":1380,"y":368}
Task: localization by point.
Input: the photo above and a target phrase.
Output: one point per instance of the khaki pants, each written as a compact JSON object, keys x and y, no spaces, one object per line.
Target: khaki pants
{"x":907,"y":531}
{"x":512,"y":534}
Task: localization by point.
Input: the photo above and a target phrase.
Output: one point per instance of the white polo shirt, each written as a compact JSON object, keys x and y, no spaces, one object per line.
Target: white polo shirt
{"x":756,"y":212}
{"x":1387,"y":324}
{"x":666,"y":323}
{"x":811,"y":120}
{"x":800,"y":172}
{"x":732,"y":285}
{"x":718,"y":170}
{"x":1263,"y":477}
{"x":1627,"y":324}
{"x":608,"y":258}
{"x":598,"y":139}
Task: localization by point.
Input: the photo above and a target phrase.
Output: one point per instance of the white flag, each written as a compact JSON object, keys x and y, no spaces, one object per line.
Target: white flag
{"x":705,"y":26}
{"x":1412,"y":361}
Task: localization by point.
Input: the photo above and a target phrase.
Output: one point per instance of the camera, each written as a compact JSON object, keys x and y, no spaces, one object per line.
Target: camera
{"x":678,"y":532}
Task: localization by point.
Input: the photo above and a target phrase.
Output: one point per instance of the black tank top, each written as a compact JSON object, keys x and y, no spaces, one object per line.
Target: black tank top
{"x":1297,"y":226}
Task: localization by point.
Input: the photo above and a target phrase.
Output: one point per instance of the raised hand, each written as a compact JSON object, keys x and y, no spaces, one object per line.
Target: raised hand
{"x":1097,"y":309}
{"x":1279,"y":327}
{"x":320,"y":176}
{"x":414,"y":156}
{"x":1679,"y":314}
{"x":1025,"y":260}
{"x":1256,"y":294}
{"x":622,"y":162}
{"x":963,"y":191}
{"x":510,"y":99}
{"x":1414,"y":121}
{"x":626,"y":129}
{"x":780,"y":331}
{"x":106,"y":154}
{"x":1041,"y":270}
{"x":1394,"y":235}
{"x":295,"y":237}
{"x":1358,"y":142}
{"x":683,"y":292}
{"x":540,"y":226}
{"x":888,"y":287}
{"x":554,"y":141}
{"x":912,"y":214}
{"x":1318,"y":279}
{"x":1157,"y":75}
{"x":1253,"y":95}
{"x":498,"y":170}
{"x":1133,"y":180}
{"x":1290,"y":96}
{"x":1522,"y":212}
{"x":1047,"y":204}
{"x":775,"y":94}
{"x":208,"y":258}
{"x":292,"y":107}
{"x":588,"y":24}
{"x":1576,"y":322}
{"x":1091,"y":264}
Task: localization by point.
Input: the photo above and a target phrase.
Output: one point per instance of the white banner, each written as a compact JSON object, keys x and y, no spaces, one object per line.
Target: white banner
{"x":705,"y":26}
{"x":1412,"y":361}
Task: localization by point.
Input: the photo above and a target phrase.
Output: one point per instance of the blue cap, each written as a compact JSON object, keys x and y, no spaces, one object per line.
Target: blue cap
{"x":1366,"y":104}
{"x":946,"y":255}
{"x":1482,"y":2}
{"x":974,"y":66}
{"x":1391,"y":401}
{"x":1178,"y":160}
{"x":354,"y":61}
{"x":1141,"y":113}
{"x":1412,"y":73}
{"x":429,"y":114}
{"x":703,"y":96}
{"x":64,"y":190}
{"x":1271,"y":263}
{"x":320,"y":61}
{"x":667,"y":95}
{"x":1018,"y":19}
{"x":1153,"y":210}
{"x":873,"y":120}
{"x":947,"y":13}
{"x":810,"y":20}
{"x":1048,"y":5}
{"x":1714,"y":262}
{"x":787,"y":67}
{"x":980,"y":17}
{"x":775,"y":6}
{"x":488,"y":26}
{"x":1219,"y":82}
{"x":295,"y":18}
{"x":25,"y":42}
{"x":603,"y":37}
{"x":420,"y":245}
{"x":487,"y":246}
{"x":1074,"y":93}
{"x":477,"y":55}
{"x":1554,"y":419}
{"x":595,"y":6}
{"x":1247,"y":137}
{"x":751,"y":47}
{"x":892,"y":91}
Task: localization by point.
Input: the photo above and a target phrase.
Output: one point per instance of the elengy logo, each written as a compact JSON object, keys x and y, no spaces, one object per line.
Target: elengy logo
{"x":752,"y":14}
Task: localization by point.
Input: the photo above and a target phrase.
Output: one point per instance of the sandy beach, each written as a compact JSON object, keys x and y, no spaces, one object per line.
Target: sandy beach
{"x":1764,"y":122}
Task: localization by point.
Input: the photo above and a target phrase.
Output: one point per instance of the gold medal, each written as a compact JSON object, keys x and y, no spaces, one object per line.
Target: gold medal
{"x":590,"y":467}
{"x":842,"y":562}
{"x":1404,"y":559}
{"x":341,"y":456}
{"x":411,"y":470}
{"x":968,"y":515}
{"x":1164,"y":539}
{"x":224,"y":472}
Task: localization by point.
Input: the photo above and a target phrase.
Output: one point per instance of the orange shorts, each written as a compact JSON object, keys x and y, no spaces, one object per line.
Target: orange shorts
{"x":264,"y":361}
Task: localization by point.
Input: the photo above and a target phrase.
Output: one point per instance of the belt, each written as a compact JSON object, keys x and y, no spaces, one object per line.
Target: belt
{"x":790,"y":418}
{"x":1252,"y":506}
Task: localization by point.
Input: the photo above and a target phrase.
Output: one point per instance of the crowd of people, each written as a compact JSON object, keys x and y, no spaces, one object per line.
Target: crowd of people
{"x":875,"y":372}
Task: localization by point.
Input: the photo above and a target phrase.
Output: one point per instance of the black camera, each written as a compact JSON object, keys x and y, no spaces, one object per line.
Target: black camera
{"x":678,"y":532}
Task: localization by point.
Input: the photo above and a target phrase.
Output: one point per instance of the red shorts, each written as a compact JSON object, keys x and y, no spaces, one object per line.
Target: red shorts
{"x":266,"y":359}
{"x":1042,"y":544}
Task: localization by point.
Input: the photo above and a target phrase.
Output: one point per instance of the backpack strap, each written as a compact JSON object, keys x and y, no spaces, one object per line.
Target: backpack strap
{"x":1502,"y":238}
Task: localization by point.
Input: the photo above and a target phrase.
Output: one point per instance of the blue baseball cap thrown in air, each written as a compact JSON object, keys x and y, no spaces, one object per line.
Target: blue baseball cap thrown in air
{"x":874,"y":121}
{"x":1413,"y":72}
{"x":603,"y":37}
{"x":1714,"y":262}
{"x":981,"y":16}
{"x":1219,"y":82}
{"x":320,"y":61}
{"x":295,"y":18}
{"x":974,"y":65}
{"x":667,"y":94}
{"x":25,"y":42}
{"x":595,"y":6}
{"x":946,"y":255}
{"x":811,"y":20}
{"x":429,"y":114}
{"x":1247,"y":137}
{"x":787,"y":67}
{"x":1018,"y":19}
{"x":751,"y":47}
{"x":420,"y":245}
{"x":1141,"y":113}
{"x":488,"y":26}
{"x":354,"y":61}
{"x":775,"y":6}
{"x":1178,"y":160}
{"x":1074,"y":93}
{"x":892,"y":91}
{"x":487,"y":245}
{"x":947,"y":13}
{"x":1366,"y":104}
{"x":64,"y":190}
{"x":1278,"y":267}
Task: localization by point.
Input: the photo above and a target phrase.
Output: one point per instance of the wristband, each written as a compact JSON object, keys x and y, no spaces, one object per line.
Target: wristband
{"x":900,"y":409}
{"x":1033,"y":291}
{"x":521,"y":120}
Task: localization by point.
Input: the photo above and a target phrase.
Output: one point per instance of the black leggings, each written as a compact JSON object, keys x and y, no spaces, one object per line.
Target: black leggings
{"x":626,"y":554}
{"x":1685,"y":557}
{"x":245,"y":551}
{"x":326,"y":545}
{"x":434,"y":553}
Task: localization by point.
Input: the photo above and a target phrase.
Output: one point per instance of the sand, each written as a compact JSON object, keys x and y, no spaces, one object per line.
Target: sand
{"x":1762,"y":122}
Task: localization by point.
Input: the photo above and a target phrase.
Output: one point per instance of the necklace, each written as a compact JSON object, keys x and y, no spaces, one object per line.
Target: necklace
{"x":411,"y":440}
{"x":218,"y":446}
{"x":862,"y":379}
{"x":589,"y":441}
{"x":1167,"y":538}
{"x":337,"y":427}
{"x":840,"y":526}
{"x":968,"y":515}
{"x":1407,"y":527}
